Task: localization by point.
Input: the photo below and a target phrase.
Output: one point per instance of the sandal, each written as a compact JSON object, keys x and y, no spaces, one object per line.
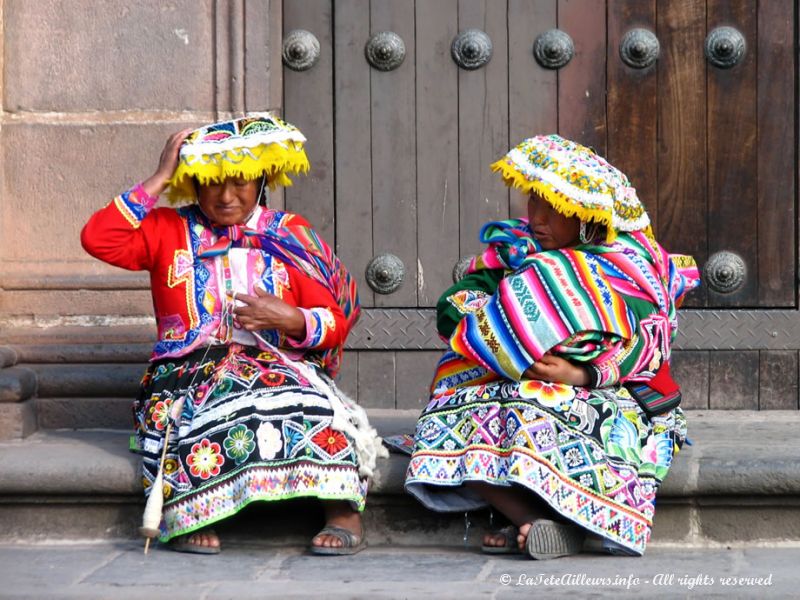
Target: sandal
{"x":351,"y":543}
{"x":549,"y":539}
{"x":182,"y":544}
{"x":510,"y":547}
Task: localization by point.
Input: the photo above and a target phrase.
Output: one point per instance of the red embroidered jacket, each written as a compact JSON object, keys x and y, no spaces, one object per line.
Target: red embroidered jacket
{"x":189,"y":293}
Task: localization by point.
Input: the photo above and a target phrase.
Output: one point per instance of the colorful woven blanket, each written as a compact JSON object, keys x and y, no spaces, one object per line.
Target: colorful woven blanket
{"x":569,"y":301}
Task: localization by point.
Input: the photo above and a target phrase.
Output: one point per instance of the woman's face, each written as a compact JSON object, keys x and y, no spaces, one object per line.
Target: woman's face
{"x":230,"y":202}
{"x":552,"y":229}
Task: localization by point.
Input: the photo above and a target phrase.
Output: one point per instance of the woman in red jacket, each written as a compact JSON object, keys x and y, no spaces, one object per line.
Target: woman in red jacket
{"x":252,"y":309}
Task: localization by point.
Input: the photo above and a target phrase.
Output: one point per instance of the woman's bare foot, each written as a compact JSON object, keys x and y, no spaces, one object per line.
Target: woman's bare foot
{"x":500,"y":538}
{"x":201,"y":542}
{"x":522,"y":536}
{"x":500,"y":541}
{"x":338,"y":513}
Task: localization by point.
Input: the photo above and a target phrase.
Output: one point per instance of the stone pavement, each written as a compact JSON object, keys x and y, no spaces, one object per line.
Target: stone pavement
{"x":119,"y":570}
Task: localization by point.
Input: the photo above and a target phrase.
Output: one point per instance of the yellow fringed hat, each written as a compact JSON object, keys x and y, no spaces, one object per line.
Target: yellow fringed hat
{"x":257,"y":144}
{"x":575,"y":181}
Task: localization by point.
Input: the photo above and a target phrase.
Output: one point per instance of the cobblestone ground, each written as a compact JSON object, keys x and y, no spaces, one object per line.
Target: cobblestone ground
{"x":120,"y":570}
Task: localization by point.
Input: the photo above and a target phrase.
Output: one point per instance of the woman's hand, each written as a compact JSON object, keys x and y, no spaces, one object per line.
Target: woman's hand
{"x":157,"y":182}
{"x":557,"y":370}
{"x":265,"y":311}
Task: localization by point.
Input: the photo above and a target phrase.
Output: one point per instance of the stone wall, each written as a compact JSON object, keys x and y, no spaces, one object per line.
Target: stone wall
{"x":89,"y":93}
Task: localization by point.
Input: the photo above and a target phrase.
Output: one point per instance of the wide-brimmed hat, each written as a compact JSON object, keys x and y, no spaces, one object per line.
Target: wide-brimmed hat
{"x":576,"y":181}
{"x":255,"y":145}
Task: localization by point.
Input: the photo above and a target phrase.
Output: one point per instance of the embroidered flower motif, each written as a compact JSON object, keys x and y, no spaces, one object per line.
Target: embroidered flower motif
{"x":551,"y":395}
{"x":292,"y":437}
{"x":545,"y":438}
{"x":586,"y":480}
{"x":200,"y":394}
{"x":239,"y":444}
{"x":205,"y":459}
{"x":269,"y":441}
{"x":330,"y":440}
{"x":449,"y":445}
{"x":273,"y":379}
{"x":608,"y":479}
{"x":170,"y":466}
{"x":222,"y":388}
{"x":159,"y":412}
{"x":511,"y":427}
{"x":430,"y":429}
{"x":267,"y":356}
{"x":573,"y":457}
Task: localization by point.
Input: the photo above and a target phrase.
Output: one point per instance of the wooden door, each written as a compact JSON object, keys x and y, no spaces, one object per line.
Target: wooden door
{"x":408,"y":102}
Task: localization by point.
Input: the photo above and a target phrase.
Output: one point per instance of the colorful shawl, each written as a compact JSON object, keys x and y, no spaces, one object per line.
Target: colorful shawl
{"x":569,"y":301}
{"x":300,"y":247}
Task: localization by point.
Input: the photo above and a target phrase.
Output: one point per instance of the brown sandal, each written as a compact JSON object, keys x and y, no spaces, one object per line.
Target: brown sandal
{"x":351,"y":543}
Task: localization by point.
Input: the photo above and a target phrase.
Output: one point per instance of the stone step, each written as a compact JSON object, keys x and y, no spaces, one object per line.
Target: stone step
{"x":739,"y":481}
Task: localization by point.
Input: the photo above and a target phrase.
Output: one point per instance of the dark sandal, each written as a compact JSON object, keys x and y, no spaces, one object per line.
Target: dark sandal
{"x":351,"y":543}
{"x":549,"y":539}
{"x":181,"y":544}
{"x":510,"y":547}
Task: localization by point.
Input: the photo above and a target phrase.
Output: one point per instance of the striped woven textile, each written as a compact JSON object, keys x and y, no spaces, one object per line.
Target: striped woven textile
{"x":557,"y":295}
{"x":569,"y":301}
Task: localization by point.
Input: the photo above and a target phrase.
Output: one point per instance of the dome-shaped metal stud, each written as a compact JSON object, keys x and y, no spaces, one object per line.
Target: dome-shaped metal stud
{"x":725,"y":272}
{"x":639,"y":48}
{"x":385,"y":273}
{"x":460,"y":268}
{"x":471,"y":49}
{"x":385,"y":51}
{"x":725,"y":47}
{"x":300,"y":50}
{"x":553,"y":49}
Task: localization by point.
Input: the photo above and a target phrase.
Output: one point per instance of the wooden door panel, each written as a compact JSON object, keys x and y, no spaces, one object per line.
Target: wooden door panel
{"x":731,"y":149}
{"x":532,"y":91}
{"x":351,"y":81}
{"x":308,"y":98}
{"x":632,"y":105}
{"x":582,"y":82}
{"x":394,"y":171}
{"x":482,"y":123}
{"x":681,"y":210}
{"x":776,"y":155}
{"x":437,"y":148}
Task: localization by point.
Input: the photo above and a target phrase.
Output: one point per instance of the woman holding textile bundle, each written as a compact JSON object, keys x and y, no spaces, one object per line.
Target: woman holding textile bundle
{"x":555,"y":404}
{"x":252,"y":309}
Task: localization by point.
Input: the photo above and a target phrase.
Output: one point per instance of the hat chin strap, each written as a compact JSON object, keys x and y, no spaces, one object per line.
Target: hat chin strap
{"x":263,"y":195}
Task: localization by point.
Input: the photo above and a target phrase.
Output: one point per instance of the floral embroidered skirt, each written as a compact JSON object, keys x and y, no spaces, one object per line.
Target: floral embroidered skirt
{"x":590,"y":454}
{"x":252,"y":427}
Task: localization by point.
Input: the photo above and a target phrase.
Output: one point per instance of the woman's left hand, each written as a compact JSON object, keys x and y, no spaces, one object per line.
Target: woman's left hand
{"x":265,"y":311}
{"x":557,"y":370}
